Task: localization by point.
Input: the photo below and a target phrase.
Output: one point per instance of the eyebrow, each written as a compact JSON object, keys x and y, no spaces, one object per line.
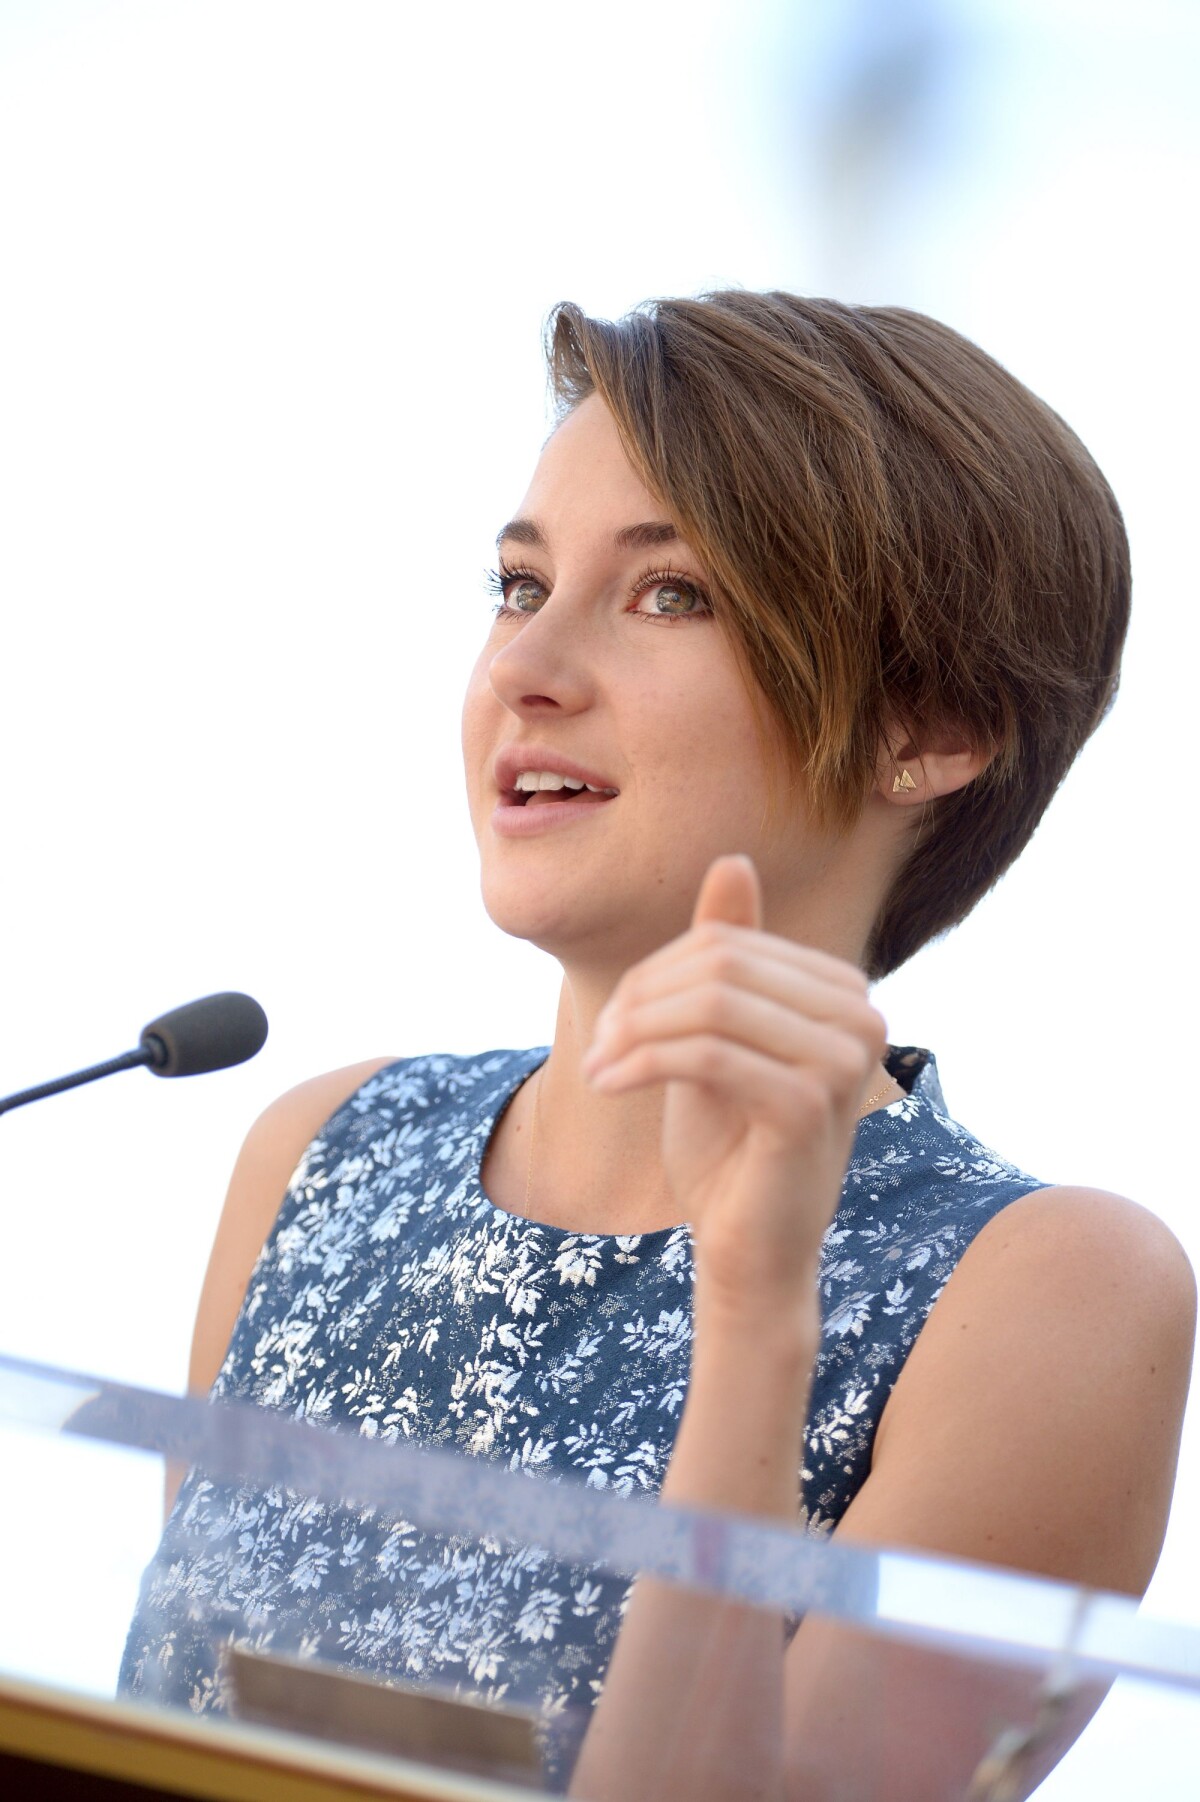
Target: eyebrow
{"x":641,"y":537}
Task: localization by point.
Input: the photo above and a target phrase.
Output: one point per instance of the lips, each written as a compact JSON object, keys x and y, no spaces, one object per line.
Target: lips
{"x":549,"y":797}
{"x":513,"y":818}
{"x":515,"y":758}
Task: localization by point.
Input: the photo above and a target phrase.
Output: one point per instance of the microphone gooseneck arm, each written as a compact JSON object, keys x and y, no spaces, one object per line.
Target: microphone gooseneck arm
{"x":129,"y":1060}
{"x":210,"y":1034}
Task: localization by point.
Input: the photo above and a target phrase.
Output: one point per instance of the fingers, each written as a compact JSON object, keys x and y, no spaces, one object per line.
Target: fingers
{"x":729,"y":948}
{"x":813,"y":1024}
{"x":793,"y":1099}
{"x":756,"y":963}
{"x":727,"y":987}
{"x":731,"y":891}
{"x":716,"y":953}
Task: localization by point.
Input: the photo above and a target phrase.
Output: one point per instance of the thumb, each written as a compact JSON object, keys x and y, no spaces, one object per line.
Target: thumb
{"x":730,"y":891}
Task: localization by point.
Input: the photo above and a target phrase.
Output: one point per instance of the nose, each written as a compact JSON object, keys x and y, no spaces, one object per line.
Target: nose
{"x":547,"y":663}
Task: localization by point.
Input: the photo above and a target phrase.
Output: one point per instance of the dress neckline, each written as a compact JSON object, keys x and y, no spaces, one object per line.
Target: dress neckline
{"x":914,"y":1068}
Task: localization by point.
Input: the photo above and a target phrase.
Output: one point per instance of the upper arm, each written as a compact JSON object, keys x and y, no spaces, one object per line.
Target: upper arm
{"x":1036,"y":1421}
{"x":272,"y":1149}
{"x":1035,"y":1425}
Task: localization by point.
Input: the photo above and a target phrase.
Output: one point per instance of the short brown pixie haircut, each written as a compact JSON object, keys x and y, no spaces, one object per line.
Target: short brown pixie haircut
{"x":900,"y":539}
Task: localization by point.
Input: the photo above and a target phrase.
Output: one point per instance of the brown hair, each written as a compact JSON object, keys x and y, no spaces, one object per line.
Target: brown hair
{"x":898,"y":534}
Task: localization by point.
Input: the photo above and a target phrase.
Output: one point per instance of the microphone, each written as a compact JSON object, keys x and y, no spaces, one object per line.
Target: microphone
{"x":210,"y":1034}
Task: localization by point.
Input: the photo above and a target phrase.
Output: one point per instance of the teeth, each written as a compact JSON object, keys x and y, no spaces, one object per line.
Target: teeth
{"x":529,"y":781}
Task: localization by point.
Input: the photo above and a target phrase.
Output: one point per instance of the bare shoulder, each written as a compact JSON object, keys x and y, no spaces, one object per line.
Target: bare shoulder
{"x":269,"y":1155}
{"x":1036,"y":1420}
{"x":305,"y":1109}
{"x":1087,"y":1243}
{"x":1073,"y":1278}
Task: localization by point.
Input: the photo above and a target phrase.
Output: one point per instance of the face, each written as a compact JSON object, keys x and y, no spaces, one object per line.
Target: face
{"x":605,"y":653}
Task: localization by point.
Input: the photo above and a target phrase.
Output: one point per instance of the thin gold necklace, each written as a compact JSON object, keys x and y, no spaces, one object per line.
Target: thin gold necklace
{"x":867,"y":1105}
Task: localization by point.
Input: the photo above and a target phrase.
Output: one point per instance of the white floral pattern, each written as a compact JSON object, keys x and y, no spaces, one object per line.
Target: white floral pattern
{"x":393,"y":1294}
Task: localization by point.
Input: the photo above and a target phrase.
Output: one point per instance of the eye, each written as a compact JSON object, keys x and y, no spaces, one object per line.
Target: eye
{"x":514,"y":587}
{"x":670,"y":597}
{"x":520,"y":589}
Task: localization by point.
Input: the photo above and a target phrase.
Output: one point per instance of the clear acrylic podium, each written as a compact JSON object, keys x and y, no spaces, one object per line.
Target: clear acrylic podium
{"x":954,"y":1680}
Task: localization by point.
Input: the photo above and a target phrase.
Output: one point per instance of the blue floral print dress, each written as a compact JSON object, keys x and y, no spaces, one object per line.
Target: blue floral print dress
{"x":392,"y":1295}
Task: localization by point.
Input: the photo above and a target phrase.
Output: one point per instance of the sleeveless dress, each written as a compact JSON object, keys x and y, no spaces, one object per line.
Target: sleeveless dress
{"x":393,"y":1296}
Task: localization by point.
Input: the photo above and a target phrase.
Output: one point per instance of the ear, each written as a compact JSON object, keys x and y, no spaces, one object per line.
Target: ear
{"x":913,"y":768}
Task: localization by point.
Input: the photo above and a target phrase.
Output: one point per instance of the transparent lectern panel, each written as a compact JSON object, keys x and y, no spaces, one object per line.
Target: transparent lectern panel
{"x":79,"y":1522}
{"x":546,"y":1636}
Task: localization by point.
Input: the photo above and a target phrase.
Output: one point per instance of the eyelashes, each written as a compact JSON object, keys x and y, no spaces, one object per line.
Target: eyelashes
{"x":499,"y":581}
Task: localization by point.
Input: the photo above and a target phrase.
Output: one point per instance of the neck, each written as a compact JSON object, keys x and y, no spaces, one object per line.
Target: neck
{"x":597,"y":1159}
{"x":594,"y":1163}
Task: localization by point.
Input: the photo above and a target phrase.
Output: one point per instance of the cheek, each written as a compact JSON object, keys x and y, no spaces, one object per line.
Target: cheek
{"x":708,"y":727}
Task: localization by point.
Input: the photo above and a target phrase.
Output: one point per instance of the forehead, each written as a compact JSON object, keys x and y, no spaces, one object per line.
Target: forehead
{"x":583,"y":472}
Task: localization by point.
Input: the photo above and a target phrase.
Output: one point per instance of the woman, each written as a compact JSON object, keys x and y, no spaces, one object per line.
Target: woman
{"x":888,"y":590}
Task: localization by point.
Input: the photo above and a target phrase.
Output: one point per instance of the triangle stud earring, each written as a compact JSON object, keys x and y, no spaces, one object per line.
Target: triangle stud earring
{"x":902,"y":783}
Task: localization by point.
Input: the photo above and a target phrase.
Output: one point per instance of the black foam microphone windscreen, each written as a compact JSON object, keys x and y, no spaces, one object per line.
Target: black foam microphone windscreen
{"x":209,"y":1034}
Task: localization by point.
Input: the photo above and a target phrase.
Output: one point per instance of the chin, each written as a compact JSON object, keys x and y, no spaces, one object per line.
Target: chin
{"x":526,"y":912}
{"x":577,"y":922}
{"x":551,"y":907}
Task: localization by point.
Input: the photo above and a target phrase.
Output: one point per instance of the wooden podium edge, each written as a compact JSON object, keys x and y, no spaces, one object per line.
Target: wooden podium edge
{"x":180,"y":1755}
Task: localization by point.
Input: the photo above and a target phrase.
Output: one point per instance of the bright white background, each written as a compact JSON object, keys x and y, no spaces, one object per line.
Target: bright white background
{"x":272,"y":278}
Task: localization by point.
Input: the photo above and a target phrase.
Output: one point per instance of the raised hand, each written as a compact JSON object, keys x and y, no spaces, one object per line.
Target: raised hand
{"x":767,"y":1050}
